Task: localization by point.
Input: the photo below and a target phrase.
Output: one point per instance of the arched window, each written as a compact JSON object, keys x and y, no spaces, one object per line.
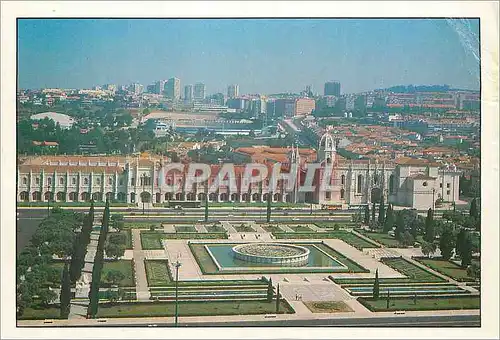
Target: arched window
{"x":25,"y":181}
{"x":98,"y":181}
{"x":85,"y":180}
{"x":37,"y":181}
{"x":342,"y":179}
{"x":375,"y":179}
{"x":49,"y":181}
{"x":342,"y":193}
{"x":73,"y":180}
{"x":61,"y":181}
{"x":359,"y":184}
{"x":110,"y":181}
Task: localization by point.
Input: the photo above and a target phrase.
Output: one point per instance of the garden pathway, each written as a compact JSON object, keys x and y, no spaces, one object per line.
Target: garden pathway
{"x":141,"y":282}
{"x":78,"y":309}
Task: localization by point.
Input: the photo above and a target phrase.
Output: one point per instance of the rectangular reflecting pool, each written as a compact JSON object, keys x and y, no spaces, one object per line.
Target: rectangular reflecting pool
{"x":225,"y":259}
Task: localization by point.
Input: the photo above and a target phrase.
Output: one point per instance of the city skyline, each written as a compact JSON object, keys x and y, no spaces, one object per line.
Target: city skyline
{"x":104,"y":51}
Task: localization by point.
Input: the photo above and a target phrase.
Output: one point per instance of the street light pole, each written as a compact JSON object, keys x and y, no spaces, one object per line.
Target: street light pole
{"x":433,"y":201}
{"x":177,"y":265}
{"x":48,"y":200}
{"x":142,"y":195}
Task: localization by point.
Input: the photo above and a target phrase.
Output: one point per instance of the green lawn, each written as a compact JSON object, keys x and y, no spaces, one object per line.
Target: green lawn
{"x":152,"y":240}
{"x":128,"y":237}
{"x":447,"y":268}
{"x":272,"y":229}
{"x":410,"y":270}
{"x":40,"y":313}
{"x":382,"y":238}
{"x":427,"y":303}
{"x":215,"y":229}
{"x":301,"y":229}
{"x":244,"y":229}
{"x":343,"y":235}
{"x":141,"y":225}
{"x":185,"y":229}
{"x":192,"y":308}
{"x":124,"y":266}
{"x":157,"y":273}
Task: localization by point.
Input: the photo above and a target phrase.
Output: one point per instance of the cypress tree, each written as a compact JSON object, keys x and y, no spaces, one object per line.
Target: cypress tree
{"x":460,"y":243}
{"x":466,"y":255}
{"x":381,"y":211}
{"x":268,"y":212}
{"x":278,"y":299}
{"x":65,"y":296}
{"x":376,"y":286}
{"x":98,"y":264}
{"x":389,"y":219}
{"x":429,"y":234}
{"x":270,"y":290}
{"x":367,"y":215}
{"x":473,"y":212}
{"x":373,"y":212}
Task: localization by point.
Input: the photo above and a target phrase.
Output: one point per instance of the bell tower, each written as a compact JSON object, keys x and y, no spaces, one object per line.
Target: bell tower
{"x":326,"y":149}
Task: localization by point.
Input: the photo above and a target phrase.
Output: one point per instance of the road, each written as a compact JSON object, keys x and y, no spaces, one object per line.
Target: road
{"x":379,"y":321}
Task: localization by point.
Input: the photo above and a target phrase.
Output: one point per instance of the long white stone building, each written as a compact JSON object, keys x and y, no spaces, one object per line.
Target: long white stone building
{"x":415,"y":183}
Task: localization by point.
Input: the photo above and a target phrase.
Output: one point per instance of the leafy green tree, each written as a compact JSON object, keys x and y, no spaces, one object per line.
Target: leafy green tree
{"x":400,"y":226}
{"x":381,"y":211}
{"x":429,"y":233}
{"x":376,"y":286}
{"x":46,"y":296}
{"x":474,"y":271}
{"x":389,"y":219}
{"x":367,"y":215}
{"x":406,"y":239}
{"x":428,"y":248}
{"x":473,"y":211}
{"x":270,"y":291}
{"x":117,"y":222}
{"x":446,"y":243}
{"x":115,"y":250}
{"x":65,"y":296}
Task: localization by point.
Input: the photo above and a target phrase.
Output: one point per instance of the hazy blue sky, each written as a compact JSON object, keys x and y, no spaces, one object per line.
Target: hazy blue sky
{"x":265,"y":56}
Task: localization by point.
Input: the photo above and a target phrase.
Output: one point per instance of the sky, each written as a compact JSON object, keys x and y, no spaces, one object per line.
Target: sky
{"x":260,"y":55}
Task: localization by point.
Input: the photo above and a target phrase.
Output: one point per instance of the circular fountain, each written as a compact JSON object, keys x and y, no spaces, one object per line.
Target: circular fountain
{"x":276,"y":254}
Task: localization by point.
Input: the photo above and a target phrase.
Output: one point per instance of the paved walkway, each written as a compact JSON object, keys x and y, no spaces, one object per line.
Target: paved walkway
{"x":141,"y":283}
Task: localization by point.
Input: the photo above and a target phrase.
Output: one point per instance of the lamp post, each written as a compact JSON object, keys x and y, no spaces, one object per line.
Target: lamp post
{"x":177,"y":265}
{"x":142,"y":194}
{"x":48,"y":200}
{"x":433,"y":201}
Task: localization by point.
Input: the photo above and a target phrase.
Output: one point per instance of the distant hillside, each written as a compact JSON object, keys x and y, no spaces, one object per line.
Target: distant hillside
{"x":421,"y":88}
